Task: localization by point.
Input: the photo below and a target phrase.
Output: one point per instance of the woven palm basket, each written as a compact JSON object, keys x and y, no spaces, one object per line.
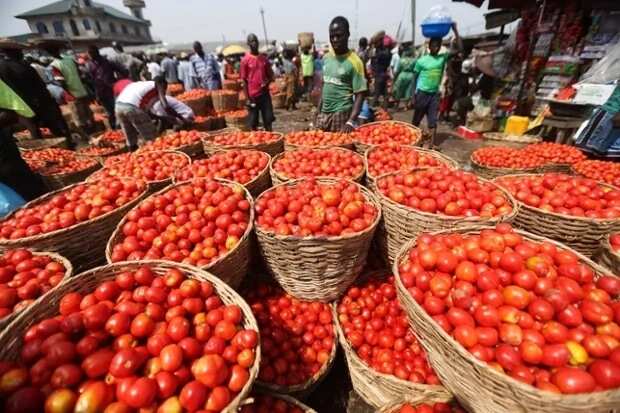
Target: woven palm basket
{"x":401,"y":223}
{"x":193,"y":150}
{"x":491,"y":172}
{"x":478,"y":387}
{"x":317,"y":269}
{"x":261,"y":182}
{"x":288,"y":399}
{"x":608,"y":257}
{"x":279,"y":178}
{"x":579,"y":233}
{"x":237,"y":122}
{"x":564,"y":168}
{"x":199,"y":106}
{"x":101,"y":158}
{"x":86,"y":282}
{"x":4,"y":322}
{"x":361,"y":147}
{"x":37,"y":144}
{"x":83,"y":243}
{"x":231,"y":267}
{"x":224,"y":102}
{"x":59,"y":181}
{"x":273,"y":147}
{"x":289,"y":146}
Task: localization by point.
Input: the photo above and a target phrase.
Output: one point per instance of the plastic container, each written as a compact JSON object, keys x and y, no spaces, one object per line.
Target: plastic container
{"x":517,"y":125}
{"x":438,"y":22}
{"x":431,"y":30}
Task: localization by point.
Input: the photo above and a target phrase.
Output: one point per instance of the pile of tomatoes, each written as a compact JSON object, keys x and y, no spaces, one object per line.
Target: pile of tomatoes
{"x":80,"y":203}
{"x":138,"y":341}
{"x":528,"y":309}
{"x":431,"y":408}
{"x":193,"y":94}
{"x":113,"y":136}
{"x":386,"y":132}
{"x":387,"y":158}
{"x":377,"y":329}
{"x":196,"y":222}
{"x":264,"y":403}
{"x":150,"y":166}
{"x":175,"y":88}
{"x":245,"y":138}
{"x":236,"y":165}
{"x":564,"y":194}
{"x":333,"y":163}
{"x":554,"y":153}
{"x":503,"y":157}
{"x":605,"y":171}
{"x":312,"y":208}
{"x":318,"y":138}
{"x":55,"y":161}
{"x":174,"y":140}
{"x":98,"y":150}
{"x":297,"y":337}
{"x":24,"y":277}
{"x":614,"y":241}
{"x":445,"y":191}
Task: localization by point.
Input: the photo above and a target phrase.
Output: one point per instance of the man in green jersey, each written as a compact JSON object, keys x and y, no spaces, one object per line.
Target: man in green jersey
{"x":344,"y":82}
{"x":427,"y":75}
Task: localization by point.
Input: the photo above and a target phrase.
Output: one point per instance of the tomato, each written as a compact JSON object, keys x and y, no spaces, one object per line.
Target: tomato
{"x":171,"y":357}
{"x":94,"y":398}
{"x":125,"y":363}
{"x":605,"y":373}
{"x":61,"y":401}
{"x":571,"y":380}
{"x":97,"y":364}
{"x":218,"y":399}
{"x":210,"y":370}
{"x":25,"y":400}
{"x":66,"y":376}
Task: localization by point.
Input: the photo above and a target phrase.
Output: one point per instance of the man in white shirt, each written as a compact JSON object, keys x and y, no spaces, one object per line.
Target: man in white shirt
{"x":153,"y":68}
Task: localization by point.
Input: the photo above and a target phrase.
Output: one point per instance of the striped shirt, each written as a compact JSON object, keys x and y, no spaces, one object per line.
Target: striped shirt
{"x":206,"y":70}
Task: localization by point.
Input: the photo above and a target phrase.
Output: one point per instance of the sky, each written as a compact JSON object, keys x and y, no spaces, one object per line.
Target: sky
{"x":181,"y":21}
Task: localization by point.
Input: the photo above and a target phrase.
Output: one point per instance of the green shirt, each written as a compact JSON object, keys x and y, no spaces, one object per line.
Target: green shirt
{"x":343,"y":76}
{"x":307,"y":65}
{"x":69,"y":71}
{"x":429,"y":69}
{"x":613,"y":103}
{"x":11,"y":101}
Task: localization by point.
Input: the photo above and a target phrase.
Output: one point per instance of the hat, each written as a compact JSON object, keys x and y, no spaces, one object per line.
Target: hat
{"x":387,"y":41}
{"x":6,"y":43}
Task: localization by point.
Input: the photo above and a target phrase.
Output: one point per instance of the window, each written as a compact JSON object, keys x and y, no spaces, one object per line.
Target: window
{"x":74,"y":28}
{"x":112,"y":27}
{"x":98,"y":26}
{"x":124,"y":29}
{"x":136,"y":30}
{"x":42,"y":28}
{"x":58,"y":27}
{"x":86,"y":24}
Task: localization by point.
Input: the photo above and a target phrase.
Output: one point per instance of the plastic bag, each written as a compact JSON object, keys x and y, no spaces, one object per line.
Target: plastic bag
{"x":9,"y":200}
{"x":438,"y":14}
{"x":607,"y":70}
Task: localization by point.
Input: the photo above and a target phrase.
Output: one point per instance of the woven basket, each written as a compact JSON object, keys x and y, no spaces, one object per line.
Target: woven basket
{"x":272,"y":148}
{"x":199,"y":106}
{"x":279,"y":100}
{"x":225,"y":102}
{"x":317,"y":269}
{"x":478,"y":387}
{"x":401,"y":223}
{"x":579,"y":233}
{"x":290,"y":400}
{"x":491,"y":172}
{"x":101,"y":158}
{"x":378,"y":389}
{"x":504,"y":137}
{"x":608,"y":257}
{"x":564,"y":168}
{"x":303,"y":390}
{"x":38,"y":144}
{"x":83,"y":244}
{"x":230,"y":268}
{"x":11,"y":338}
{"x":293,"y":147}
{"x":4,"y":322}
{"x":394,"y":407}
{"x":278,"y":178}
{"x":361,"y":148}
{"x":59,"y":181}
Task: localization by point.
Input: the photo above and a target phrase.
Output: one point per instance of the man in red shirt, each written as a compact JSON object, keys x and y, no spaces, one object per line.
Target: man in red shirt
{"x":257,"y":75}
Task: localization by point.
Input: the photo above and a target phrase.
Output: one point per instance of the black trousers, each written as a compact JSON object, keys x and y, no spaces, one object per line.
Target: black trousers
{"x":263,"y":107}
{"x":14,"y":171}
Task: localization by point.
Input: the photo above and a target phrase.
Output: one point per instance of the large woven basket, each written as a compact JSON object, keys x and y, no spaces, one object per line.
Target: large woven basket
{"x":193,"y":150}
{"x":83,"y":244}
{"x":4,"y":322}
{"x":278,"y":178}
{"x":317,"y":269}
{"x":478,"y":387}
{"x":401,"y":223}
{"x":37,"y":144}
{"x":230,"y":268}
{"x":224,"y":102}
{"x":361,"y":148}
{"x":378,"y":389}
{"x":272,"y":148}
{"x":288,"y":146}
{"x":580,"y":233}
{"x":608,"y":257}
{"x":290,"y":400}
{"x":101,"y":158}
{"x":11,"y":339}
{"x":279,"y":100}
{"x":199,"y":106}
{"x":491,"y":172}
{"x":59,"y":181}
{"x":237,"y":122}
{"x":303,"y":390}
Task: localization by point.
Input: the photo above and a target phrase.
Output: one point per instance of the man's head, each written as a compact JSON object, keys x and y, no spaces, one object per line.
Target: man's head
{"x":339,"y":35}
{"x":363,"y":43}
{"x":117,"y":46}
{"x":93,"y":52}
{"x":160,"y":83}
{"x":198,"y":48}
{"x":252,"y":41}
{"x":434,"y":45}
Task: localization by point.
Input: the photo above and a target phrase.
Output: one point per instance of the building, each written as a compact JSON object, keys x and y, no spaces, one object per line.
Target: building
{"x":85,"y":22}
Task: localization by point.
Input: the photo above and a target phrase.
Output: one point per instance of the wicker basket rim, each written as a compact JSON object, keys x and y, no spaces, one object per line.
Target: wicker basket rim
{"x":391,"y":121}
{"x":555,"y":214}
{"x":119,"y":148}
{"x":607,"y":245}
{"x":369,"y":196}
{"x":430,"y":152}
{"x":511,"y":199}
{"x":45,"y":143}
{"x":246,"y":234}
{"x":455,"y":346}
{"x":279,"y":156}
{"x":509,"y":170}
{"x":49,"y":195}
{"x":184,"y":155}
{"x":92,"y":168}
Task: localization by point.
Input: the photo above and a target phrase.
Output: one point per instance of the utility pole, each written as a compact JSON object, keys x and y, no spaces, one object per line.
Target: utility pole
{"x":262,"y":15}
{"x":357,"y":18}
{"x":413,"y":29}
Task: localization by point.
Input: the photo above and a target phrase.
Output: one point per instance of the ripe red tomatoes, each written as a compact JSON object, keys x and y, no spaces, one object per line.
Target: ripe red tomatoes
{"x":173,"y":141}
{"x":150,"y":166}
{"x":318,"y":138}
{"x":605,"y":171}
{"x":236,"y":165}
{"x":245,"y":138}
{"x":334,"y":163}
{"x":394,"y":157}
{"x":387,"y":132}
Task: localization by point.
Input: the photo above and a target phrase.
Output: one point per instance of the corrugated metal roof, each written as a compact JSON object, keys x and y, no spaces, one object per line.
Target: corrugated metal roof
{"x":63,"y":6}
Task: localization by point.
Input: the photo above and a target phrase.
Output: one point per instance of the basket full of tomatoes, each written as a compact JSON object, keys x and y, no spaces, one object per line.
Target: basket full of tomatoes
{"x":382,"y":132}
{"x":124,"y":337}
{"x":319,"y":162}
{"x":199,"y":100}
{"x":494,"y":161}
{"x":558,"y":157}
{"x":512,"y":321}
{"x":317,"y":139}
{"x":263,"y":402}
{"x":604,"y":171}
{"x":59,"y":167}
{"x":74,"y":222}
{"x":576,"y":211}
{"x":202,"y":222}
{"x":270,"y":142}
{"x":188,"y":142}
{"x":384,"y":357}
{"x":610,"y":251}
{"x":314,"y":234}
{"x":101,"y":152}
{"x":44,"y":143}
{"x":434,"y":199}
{"x":408,"y":404}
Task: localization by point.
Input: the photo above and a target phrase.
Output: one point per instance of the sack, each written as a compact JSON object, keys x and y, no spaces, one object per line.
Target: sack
{"x":9,"y":200}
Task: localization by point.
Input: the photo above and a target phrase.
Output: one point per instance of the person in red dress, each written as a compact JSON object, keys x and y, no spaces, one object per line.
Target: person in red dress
{"x":256,"y":74}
